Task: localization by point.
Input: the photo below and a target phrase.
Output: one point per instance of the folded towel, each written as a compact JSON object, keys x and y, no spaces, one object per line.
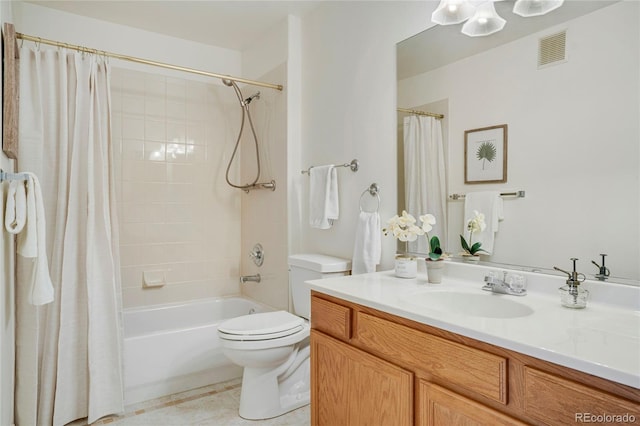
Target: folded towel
{"x":15,"y":214}
{"x":32,"y":243}
{"x":323,"y":196}
{"x":367,"y":247}
{"x":490,"y":204}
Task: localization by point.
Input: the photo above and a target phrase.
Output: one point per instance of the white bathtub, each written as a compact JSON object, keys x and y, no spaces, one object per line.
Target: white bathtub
{"x":175,"y":347}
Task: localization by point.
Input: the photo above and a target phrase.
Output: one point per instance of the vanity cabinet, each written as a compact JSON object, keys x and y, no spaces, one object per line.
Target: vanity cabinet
{"x":373,"y":368}
{"x":356,"y":388}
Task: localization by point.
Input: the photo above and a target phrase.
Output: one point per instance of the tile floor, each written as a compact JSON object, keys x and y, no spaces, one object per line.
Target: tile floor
{"x":210,"y":405}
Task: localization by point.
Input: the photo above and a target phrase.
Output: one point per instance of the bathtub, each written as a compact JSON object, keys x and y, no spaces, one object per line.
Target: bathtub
{"x":175,"y":347}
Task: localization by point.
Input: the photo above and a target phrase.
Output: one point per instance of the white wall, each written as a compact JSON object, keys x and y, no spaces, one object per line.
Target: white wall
{"x":74,"y":29}
{"x":572,"y":141}
{"x":7,"y":294}
{"x":349,"y":108}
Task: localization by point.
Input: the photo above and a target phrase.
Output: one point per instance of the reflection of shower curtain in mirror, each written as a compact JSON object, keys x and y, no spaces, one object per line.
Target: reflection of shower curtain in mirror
{"x":424,"y":176}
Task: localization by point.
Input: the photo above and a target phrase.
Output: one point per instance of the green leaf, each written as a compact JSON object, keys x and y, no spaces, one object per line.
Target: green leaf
{"x":435,"y":256}
{"x":464,"y":244}
{"x":487,"y":152}
{"x":476,"y":248}
{"x":434,"y":243}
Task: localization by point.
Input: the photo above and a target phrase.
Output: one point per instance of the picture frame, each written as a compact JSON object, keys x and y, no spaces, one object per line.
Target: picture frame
{"x":485,"y":155}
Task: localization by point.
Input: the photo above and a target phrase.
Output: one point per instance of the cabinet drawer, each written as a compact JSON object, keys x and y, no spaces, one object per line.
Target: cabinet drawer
{"x":331,"y":318}
{"x":475,"y":370}
{"x":556,"y":400}
{"x":439,"y":406}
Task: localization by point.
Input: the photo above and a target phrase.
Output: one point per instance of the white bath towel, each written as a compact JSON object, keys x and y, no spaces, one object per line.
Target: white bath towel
{"x":32,"y":243}
{"x":367,"y":246}
{"x":490,"y":204}
{"x":15,"y":215}
{"x":323,"y":196}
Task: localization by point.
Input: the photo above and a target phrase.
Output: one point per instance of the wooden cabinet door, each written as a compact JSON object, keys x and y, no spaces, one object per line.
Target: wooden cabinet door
{"x":351,"y":387}
{"x":438,"y":406}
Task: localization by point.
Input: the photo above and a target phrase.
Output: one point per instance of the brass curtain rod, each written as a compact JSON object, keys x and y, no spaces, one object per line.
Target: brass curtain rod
{"x":145,"y":61}
{"x":418,"y":112}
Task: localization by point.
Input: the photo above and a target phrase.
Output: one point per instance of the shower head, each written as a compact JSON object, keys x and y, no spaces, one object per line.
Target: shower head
{"x":252,"y":97}
{"x":227,"y":82}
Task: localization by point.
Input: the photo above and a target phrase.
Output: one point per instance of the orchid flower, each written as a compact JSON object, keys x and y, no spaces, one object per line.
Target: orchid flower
{"x":476,"y":224}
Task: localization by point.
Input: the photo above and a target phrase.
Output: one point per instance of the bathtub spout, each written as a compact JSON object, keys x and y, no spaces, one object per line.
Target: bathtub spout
{"x":247,"y":278}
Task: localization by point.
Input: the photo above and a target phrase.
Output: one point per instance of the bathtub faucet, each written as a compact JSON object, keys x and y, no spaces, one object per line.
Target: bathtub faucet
{"x":247,"y":278}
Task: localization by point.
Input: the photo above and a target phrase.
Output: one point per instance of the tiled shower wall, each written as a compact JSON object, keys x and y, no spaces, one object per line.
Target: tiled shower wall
{"x":179,"y":221}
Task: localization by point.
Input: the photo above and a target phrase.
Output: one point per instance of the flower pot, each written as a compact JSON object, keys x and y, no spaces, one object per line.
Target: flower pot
{"x":406,"y":267}
{"x":434,"y":271}
{"x":469,"y":258}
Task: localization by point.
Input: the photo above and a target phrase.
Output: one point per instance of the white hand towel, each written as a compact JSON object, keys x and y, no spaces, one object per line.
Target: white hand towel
{"x":32,"y":243}
{"x":367,"y":247}
{"x":323,"y":196}
{"x":490,"y":204}
{"x":15,"y":214}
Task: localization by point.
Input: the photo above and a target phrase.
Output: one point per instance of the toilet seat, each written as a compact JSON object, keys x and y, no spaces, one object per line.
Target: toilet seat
{"x":262,"y":326}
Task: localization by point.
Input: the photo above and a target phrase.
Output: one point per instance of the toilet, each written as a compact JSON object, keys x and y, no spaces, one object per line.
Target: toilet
{"x":273,"y":347}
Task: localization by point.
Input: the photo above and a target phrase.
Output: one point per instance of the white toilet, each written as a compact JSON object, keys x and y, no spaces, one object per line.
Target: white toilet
{"x":273,"y":347}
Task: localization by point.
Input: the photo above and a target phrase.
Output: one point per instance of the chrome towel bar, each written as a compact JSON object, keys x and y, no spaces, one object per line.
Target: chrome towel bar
{"x":516,"y":194}
{"x":354,"y":165}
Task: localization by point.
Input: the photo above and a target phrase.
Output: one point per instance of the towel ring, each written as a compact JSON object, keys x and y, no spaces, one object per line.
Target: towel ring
{"x":374,"y":191}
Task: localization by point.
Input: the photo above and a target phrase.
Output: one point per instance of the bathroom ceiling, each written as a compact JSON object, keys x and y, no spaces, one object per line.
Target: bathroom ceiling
{"x":441,"y":45}
{"x":230,"y":24}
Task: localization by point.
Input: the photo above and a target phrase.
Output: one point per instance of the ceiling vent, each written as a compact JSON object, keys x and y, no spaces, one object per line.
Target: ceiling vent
{"x":552,"y":49}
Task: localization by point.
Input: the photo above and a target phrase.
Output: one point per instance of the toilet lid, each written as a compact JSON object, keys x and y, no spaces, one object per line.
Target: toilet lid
{"x":262,"y":326}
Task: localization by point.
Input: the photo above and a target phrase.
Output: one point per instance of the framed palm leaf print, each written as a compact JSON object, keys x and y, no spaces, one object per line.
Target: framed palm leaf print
{"x":485,"y":155}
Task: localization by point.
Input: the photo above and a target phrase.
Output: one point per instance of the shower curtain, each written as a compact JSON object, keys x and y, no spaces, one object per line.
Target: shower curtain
{"x":424,"y":175}
{"x":68,"y":353}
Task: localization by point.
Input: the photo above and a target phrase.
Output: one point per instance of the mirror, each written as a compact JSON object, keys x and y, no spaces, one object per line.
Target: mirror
{"x":572,"y":129}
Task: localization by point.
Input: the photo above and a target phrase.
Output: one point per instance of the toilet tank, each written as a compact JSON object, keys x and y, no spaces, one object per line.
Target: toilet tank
{"x":304,"y":267}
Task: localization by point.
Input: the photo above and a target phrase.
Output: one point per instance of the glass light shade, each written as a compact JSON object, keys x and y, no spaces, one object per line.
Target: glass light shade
{"x":451,"y":12}
{"x":484,"y":22}
{"x":528,"y":8}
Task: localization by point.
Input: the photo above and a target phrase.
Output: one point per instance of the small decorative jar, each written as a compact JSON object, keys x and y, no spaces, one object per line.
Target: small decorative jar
{"x":406,"y":267}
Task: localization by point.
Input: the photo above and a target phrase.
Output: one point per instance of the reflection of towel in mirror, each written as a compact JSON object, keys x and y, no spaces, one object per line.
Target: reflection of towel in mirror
{"x":367,"y":246}
{"x":490,"y":204}
{"x":323,"y":196}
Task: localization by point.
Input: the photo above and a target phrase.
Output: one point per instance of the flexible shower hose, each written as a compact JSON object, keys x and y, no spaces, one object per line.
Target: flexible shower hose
{"x":245,"y":108}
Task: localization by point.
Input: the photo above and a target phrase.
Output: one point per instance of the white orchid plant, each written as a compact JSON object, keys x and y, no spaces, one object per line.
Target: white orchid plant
{"x":475,"y":224}
{"x":405,"y":229}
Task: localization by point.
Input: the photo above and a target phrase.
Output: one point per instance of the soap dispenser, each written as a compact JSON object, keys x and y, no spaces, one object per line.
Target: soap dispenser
{"x":572,"y":295}
{"x":603,"y":271}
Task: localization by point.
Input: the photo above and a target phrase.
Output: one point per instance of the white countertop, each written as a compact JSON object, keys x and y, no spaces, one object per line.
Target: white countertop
{"x":602,"y":340}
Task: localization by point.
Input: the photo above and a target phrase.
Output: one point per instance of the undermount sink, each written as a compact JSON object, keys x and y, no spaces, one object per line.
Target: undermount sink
{"x":487,"y":305}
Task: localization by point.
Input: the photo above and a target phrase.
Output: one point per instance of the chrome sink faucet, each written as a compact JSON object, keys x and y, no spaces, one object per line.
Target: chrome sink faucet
{"x":512,"y":284}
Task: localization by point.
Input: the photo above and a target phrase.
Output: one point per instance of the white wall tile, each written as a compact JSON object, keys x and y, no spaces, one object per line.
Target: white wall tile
{"x":155,"y":130}
{"x":176,"y":211}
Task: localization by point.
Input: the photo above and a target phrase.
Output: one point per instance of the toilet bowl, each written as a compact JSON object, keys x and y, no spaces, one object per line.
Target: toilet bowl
{"x":273,"y":347}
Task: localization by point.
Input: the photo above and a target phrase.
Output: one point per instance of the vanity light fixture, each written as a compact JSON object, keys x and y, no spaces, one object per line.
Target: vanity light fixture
{"x":481,"y":16}
{"x":484,"y":22}
{"x":529,"y":8}
{"x":451,"y":12}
